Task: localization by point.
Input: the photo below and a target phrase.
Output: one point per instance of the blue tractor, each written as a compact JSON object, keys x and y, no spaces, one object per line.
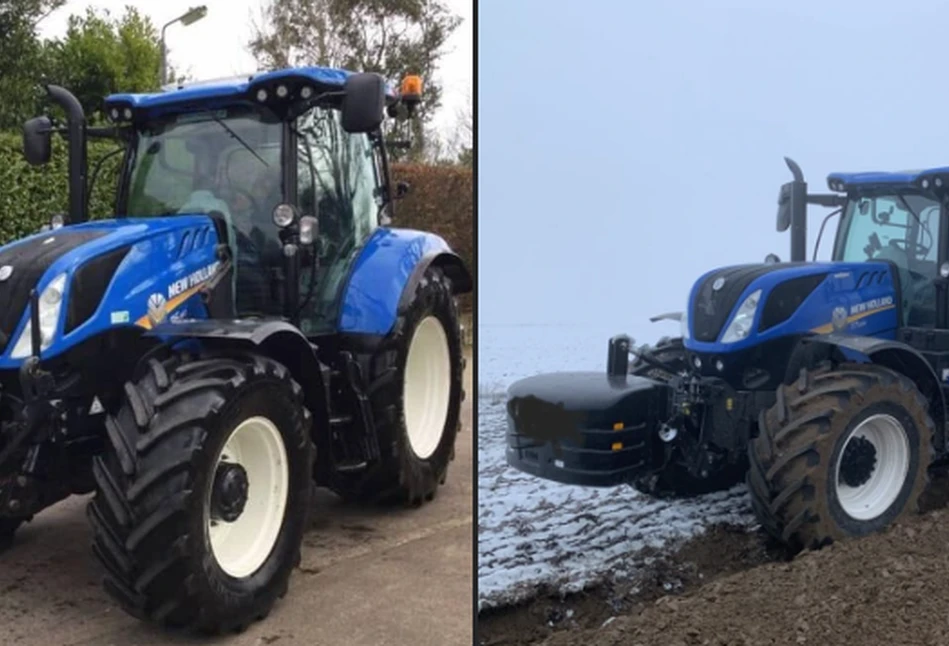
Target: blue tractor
{"x":248,"y":325}
{"x":822,"y":384}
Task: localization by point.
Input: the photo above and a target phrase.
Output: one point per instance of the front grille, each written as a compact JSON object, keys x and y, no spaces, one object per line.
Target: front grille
{"x":712,"y":308}
{"x":786,"y":298}
{"x":89,"y":283}
{"x":29,"y":261}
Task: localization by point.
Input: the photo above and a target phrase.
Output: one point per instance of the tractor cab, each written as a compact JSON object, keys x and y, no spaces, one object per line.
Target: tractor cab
{"x":890,"y":217}
{"x":290,"y":165}
{"x":901,"y":225}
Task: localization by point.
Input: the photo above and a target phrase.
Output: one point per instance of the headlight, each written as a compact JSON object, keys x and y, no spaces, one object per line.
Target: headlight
{"x":51,"y":304}
{"x":740,"y":326}
{"x":684,"y":321}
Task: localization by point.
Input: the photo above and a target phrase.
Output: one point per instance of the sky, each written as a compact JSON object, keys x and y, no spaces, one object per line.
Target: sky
{"x":625,"y":148}
{"x":201,"y":51}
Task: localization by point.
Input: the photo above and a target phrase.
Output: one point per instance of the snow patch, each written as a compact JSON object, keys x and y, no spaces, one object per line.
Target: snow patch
{"x":536,"y":536}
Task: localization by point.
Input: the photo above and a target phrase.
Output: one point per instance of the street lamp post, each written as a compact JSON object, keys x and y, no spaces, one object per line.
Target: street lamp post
{"x":193,"y":15}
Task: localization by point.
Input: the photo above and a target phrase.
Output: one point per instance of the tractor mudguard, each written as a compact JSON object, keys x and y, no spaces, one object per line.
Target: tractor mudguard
{"x":449,"y":262}
{"x":277,"y":339}
{"x":383,"y":273}
{"x":891,"y":354}
{"x":586,"y":428}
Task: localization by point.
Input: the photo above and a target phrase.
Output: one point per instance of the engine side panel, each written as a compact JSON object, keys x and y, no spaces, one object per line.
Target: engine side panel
{"x":168,"y":261}
{"x":857,"y":298}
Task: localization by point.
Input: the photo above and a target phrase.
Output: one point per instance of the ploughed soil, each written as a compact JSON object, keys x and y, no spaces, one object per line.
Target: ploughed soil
{"x":731,"y":586}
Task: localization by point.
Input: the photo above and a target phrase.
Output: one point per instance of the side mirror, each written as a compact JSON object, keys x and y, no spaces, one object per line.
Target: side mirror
{"x":784,"y":207}
{"x":37,"y":142}
{"x":402,"y":189}
{"x":771,"y":259}
{"x":364,"y":102}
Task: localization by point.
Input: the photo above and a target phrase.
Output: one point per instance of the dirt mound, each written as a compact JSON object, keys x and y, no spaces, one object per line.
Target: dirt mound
{"x":722,"y":549}
{"x":886,"y":589}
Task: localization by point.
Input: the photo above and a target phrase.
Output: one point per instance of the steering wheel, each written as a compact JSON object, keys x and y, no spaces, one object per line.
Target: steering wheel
{"x":914,"y":249}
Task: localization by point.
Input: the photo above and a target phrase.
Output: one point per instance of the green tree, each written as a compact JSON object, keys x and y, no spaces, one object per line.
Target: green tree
{"x":391,"y":37}
{"x":21,"y":59}
{"x":101,"y":55}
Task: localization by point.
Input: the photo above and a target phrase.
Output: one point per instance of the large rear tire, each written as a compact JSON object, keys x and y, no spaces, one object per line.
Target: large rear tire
{"x":416,"y":391}
{"x":842,"y":453}
{"x":202,"y":493}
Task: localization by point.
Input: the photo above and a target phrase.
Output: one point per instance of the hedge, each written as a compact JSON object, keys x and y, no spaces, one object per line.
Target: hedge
{"x":440,"y":199}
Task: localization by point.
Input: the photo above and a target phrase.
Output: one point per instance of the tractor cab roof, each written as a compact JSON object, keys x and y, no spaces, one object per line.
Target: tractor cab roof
{"x":877,"y":180}
{"x":265,"y":87}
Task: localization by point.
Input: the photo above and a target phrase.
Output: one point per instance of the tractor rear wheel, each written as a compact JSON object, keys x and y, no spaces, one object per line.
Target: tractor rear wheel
{"x":202,"y":493}
{"x":843,"y":453}
{"x":416,"y":391}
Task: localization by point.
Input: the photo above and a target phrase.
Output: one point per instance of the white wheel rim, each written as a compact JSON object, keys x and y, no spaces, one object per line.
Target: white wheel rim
{"x":872,"y":498}
{"x":427,"y":386}
{"x":241,"y":547}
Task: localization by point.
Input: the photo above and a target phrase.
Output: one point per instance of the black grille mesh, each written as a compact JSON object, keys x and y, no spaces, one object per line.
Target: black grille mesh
{"x":88,"y":286}
{"x":784,"y":300}
{"x":29,"y":261}
{"x":712,"y":307}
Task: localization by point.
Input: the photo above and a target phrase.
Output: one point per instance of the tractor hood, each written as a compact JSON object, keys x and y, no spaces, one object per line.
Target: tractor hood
{"x":82,"y":261}
{"x":734,"y":307}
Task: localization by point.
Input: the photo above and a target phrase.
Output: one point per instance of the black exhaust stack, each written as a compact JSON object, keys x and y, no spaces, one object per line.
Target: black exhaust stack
{"x":792,"y":211}
{"x":37,"y":146}
{"x":76,"y":136}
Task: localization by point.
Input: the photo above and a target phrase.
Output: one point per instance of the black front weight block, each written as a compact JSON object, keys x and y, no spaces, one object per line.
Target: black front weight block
{"x":586,"y":428}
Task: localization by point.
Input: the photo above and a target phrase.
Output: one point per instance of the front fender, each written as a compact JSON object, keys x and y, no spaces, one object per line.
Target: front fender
{"x":384,"y":272}
{"x":891,"y":354}
{"x":279,"y":340}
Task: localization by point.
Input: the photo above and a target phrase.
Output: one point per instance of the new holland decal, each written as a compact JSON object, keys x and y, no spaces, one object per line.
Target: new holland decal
{"x":842,"y":317}
{"x":161,"y":307}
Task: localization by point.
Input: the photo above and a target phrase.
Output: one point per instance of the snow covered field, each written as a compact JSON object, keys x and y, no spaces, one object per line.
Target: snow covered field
{"x":533,"y":532}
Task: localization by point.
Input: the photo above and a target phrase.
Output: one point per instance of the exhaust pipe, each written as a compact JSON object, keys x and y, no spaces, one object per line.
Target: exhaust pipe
{"x":792,"y":211}
{"x":76,"y":136}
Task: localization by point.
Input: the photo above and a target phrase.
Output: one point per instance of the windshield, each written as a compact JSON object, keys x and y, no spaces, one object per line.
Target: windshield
{"x":224,"y":160}
{"x":902,"y":228}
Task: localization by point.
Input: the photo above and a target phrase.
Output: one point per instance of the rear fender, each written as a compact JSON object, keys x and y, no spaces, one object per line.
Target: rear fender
{"x":383,"y":273}
{"x":277,"y":339}
{"x":450,"y":263}
{"x":890,"y":354}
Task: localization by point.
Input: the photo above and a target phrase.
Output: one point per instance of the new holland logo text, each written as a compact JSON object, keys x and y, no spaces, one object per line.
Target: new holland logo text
{"x":870,"y":305}
{"x":184,"y":284}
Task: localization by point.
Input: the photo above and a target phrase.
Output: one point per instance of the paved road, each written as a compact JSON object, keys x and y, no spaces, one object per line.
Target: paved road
{"x":366,"y":577}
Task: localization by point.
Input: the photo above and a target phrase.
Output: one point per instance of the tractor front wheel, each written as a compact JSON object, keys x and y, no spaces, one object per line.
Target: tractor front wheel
{"x":675,"y":481}
{"x":415,"y":388}
{"x":843,"y":453}
{"x":202,"y":493}
{"x":670,"y":352}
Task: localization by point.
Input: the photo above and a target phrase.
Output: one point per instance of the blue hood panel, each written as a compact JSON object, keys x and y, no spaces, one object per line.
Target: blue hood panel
{"x":858,"y":297}
{"x":166,"y":262}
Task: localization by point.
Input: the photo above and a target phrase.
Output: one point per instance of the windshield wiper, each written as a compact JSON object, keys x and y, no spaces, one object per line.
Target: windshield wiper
{"x":238,"y":138}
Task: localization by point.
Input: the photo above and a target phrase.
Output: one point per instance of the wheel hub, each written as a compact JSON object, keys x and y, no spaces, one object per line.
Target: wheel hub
{"x":858,"y":462}
{"x":229,"y":493}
